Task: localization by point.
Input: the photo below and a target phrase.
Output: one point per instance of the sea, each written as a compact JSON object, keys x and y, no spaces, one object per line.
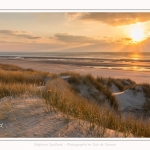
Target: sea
{"x":134,"y":61}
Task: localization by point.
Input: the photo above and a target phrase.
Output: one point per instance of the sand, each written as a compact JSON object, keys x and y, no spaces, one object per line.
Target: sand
{"x":130,"y":100}
{"x":28,"y":117}
{"x":137,"y":76}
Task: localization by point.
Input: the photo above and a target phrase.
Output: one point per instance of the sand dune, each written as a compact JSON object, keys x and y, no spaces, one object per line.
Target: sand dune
{"x":37,"y":113}
{"x":130,"y":100}
{"x":27,"y":117}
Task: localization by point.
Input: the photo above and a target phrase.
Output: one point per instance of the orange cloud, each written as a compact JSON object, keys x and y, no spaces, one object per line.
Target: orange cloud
{"x":64,"y":37}
{"x":23,"y":34}
{"x":113,"y":18}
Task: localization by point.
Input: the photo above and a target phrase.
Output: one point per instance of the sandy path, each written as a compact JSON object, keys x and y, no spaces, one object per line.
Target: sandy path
{"x":27,"y":117}
{"x":136,"y":76}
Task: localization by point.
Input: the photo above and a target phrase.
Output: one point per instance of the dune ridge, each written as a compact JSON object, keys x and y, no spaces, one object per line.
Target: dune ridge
{"x":42,"y":104}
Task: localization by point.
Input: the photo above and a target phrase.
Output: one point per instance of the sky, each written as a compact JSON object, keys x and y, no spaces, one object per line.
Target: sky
{"x":74,"y":32}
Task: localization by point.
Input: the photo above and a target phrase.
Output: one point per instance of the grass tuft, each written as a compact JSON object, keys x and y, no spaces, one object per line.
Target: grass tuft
{"x":59,"y":94}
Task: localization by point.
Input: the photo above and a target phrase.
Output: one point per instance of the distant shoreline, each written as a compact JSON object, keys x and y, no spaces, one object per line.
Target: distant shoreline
{"x":114,"y":64}
{"x":58,"y":67}
{"x":71,"y":58}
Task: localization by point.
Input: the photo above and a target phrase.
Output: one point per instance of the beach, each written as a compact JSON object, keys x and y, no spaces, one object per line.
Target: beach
{"x":59,"y":65}
{"x":72,"y":74}
{"x":73,"y":102}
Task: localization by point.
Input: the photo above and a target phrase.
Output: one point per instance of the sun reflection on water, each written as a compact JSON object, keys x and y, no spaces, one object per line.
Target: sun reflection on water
{"x":135,"y":56}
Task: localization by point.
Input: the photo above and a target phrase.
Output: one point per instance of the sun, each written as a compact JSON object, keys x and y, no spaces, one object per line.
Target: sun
{"x":137,"y":33}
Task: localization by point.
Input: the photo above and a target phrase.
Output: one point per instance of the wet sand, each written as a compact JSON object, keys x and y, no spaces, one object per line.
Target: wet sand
{"x":58,"y":66}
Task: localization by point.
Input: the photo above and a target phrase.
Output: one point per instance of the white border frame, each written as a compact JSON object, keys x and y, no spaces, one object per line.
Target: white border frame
{"x":10,"y":142}
{"x":75,"y":4}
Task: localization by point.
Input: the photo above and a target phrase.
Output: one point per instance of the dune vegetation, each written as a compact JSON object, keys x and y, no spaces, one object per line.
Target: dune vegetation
{"x":78,"y":96}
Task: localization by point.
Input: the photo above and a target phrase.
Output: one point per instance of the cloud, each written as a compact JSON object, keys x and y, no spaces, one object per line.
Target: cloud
{"x":113,"y":18}
{"x":30,"y":46}
{"x":74,"y":15}
{"x":127,"y":39}
{"x":3,"y":42}
{"x":82,"y":41}
{"x":23,"y":34}
{"x":110,"y":44}
{"x":64,"y":37}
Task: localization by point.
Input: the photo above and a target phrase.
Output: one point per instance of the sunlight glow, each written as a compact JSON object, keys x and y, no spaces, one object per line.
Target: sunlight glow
{"x":137,"y":33}
{"x":135,"y":56}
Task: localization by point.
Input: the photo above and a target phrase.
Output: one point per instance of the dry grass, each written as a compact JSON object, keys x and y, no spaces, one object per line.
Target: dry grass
{"x":16,"y":89}
{"x":146,"y":90}
{"x":10,"y":67}
{"x":122,"y":84}
{"x":9,"y":77}
{"x":69,"y":73}
{"x":15,"y":80}
{"x":59,"y":94}
{"x":90,"y":81}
